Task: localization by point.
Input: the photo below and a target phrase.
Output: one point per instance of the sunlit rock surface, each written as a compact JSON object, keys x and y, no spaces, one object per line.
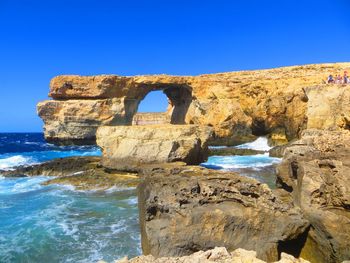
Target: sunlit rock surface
{"x":127,"y":147}
{"x":184,"y":209}
{"x":316,"y":169}
{"x":217,"y":254}
{"x":235,"y":104}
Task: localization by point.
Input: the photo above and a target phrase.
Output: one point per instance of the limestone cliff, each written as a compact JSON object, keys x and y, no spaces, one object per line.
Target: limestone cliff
{"x":237,"y":104}
{"x":316,"y":169}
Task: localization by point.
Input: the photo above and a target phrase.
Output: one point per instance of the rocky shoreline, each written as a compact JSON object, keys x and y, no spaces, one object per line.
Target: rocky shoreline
{"x":185,"y":209}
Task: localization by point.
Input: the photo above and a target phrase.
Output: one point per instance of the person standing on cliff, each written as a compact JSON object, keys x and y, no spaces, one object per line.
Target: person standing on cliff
{"x":339,"y":79}
{"x":346,"y":78}
{"x":330,"y":79}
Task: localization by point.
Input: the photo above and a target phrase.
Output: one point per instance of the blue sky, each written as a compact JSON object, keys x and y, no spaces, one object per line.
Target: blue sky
{"x":42,"y":39}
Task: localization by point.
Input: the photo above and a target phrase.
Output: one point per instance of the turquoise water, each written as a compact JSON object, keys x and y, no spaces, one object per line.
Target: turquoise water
{"x":55,"y":223}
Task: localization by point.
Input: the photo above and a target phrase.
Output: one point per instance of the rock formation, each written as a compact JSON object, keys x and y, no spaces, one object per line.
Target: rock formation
{"x":328,"y":107}
{"x":184,"y":209}
{"x":127,"y":147}
{"x":316,"y":169}
{"x":237,"y":104}
{"x":216,"y":255}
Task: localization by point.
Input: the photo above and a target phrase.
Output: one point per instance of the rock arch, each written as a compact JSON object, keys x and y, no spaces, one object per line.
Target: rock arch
{"x":179,"y":99}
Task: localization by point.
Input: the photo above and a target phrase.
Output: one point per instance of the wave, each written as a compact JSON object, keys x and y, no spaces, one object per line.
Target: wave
{"x":9,"y":162}
{"x":260,"y":144}
{"x":238,"y":162}
{"x":21,"y":185}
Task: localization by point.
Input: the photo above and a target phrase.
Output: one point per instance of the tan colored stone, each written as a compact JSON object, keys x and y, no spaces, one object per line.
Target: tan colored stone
{"x":316,"y":170}
{"x":235,"y":104}
{"x":79,"y":119}
{"x":215,"y":255}
{"x":328,"y":107}
{"x":127,"y":147}
{"x":189,"y":208}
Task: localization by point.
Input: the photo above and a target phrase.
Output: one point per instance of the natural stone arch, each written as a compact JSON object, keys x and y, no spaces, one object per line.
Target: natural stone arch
{"x":179,"y":98}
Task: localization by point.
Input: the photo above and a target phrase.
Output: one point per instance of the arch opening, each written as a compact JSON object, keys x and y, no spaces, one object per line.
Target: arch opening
{"x":163,"y":105}
{"x":152,"y":109}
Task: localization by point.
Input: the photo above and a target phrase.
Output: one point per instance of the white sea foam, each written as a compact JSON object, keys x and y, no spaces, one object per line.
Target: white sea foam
{"x":132,"y":201}
{"x":217,"y":147}
{"x":114,"y":189}
{"x":238,"y":162}
{"x":259,"y":144}
{"x":118,"y":227}
{"x":22,"y":185}
{"x":10,"y":162}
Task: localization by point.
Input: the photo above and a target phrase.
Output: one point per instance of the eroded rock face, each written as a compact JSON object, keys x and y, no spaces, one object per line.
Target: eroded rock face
{"x":218,"y":255}
{"x":77,"y":120}
{"x":236,"y":104}
{"x":127,"y":147}
{"x":328,"y":107}
{"x":187,"y":209}
{"x":316,"y":169}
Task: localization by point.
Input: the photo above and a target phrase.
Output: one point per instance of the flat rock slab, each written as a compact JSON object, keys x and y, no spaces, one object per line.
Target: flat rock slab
{"x":127,"y":147}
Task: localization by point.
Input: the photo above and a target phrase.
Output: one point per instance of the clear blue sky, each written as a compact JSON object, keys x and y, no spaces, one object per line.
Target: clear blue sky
{"x":42,"y":39}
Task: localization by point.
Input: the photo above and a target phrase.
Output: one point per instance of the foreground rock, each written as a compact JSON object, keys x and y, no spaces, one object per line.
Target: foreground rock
{"x":184,"y":209}
{"x":84,"y":173}
{"x":218,"y":255}
{"x":235,"y":104}
{"x":316,"y":169}
{"x":127,"y":147}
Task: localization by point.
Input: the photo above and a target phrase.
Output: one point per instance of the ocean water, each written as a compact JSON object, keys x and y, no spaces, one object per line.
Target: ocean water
{"x":55,"y":223}
{"x":261,"y":167}
{"x":30,"y":148}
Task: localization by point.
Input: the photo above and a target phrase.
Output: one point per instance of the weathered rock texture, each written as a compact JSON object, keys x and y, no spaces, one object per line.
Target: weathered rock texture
{"x":187,"y":209}
{"x":328,"y":107}
{"x":146,"y":118}
{"x":127,"y":147}
{"x":76,"y":121}
{"x":218,"y":255}
{"x":236,"y":104}
{"x":316,"y":169}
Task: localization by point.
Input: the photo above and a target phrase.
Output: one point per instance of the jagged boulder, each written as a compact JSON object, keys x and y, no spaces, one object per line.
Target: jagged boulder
{"x":127,"y":147}
{"x":316,"y":169}
{"x":184,"y":209}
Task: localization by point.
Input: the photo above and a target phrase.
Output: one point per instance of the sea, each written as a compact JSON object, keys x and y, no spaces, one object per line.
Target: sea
{"x":57,"y":223}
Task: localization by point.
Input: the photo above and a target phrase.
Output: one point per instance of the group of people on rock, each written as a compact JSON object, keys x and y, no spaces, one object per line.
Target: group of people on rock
{"x":339,"y":79}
